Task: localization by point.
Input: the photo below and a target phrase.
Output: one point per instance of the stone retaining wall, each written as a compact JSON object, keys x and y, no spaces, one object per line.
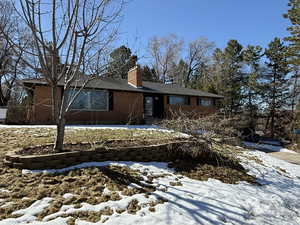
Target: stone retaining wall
{"x":160,"y":153}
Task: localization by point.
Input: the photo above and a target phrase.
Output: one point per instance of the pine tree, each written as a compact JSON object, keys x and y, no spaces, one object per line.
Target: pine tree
{"x":148,"y":74}
{"x":293,"y":15}
{"x":204,"y":78}
{"x":276,"y":88}
{"x":179,"y":72}
{"x":229,"y":64}
{"x":121,"y":62}
{"x":251,"y":82}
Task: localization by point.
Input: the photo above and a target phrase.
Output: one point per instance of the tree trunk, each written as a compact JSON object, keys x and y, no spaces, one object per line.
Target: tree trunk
{"x":3,"y":102}
{"x":272,"y":124}
{"x":60,"y":125}
{"x":60,"y":134}
{"x":54,"y":104}
{"x":3,"y":99}
{"x":294,"y":99}
{"x":267,"y":123}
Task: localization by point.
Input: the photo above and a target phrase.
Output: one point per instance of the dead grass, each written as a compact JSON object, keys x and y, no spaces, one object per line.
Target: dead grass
{"x":203,"y":172}
{"x":86,"y":185}
{"x":15,"y":138}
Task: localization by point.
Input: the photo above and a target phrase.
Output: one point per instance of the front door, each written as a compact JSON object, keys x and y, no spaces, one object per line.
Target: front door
{"x":154,"y":106}
{"x":148,"y":106}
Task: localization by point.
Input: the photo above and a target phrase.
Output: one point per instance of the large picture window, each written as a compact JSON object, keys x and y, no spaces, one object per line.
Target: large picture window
{"x":94,"y":100}
{"x":205,"y":102}
{"x":178,"y":100}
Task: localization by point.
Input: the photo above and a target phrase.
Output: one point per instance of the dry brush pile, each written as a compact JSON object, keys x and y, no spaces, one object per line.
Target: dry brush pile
{"x":209,"y":126}
{"x":219,"y":159}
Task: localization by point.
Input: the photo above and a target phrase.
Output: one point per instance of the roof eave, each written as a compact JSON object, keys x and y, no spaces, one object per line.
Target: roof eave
{"x":31,"y":82}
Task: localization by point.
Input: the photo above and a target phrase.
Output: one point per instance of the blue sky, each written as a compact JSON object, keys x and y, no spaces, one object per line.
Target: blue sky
{"x":248,"y":21}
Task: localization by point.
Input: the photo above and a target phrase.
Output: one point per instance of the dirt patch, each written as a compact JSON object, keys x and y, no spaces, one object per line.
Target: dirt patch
{"x":203,"y":172}
{"x":175,"y":183}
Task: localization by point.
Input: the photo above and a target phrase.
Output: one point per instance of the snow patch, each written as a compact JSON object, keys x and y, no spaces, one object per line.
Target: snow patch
{"x":68,"y":195}
{"x":152,"y":165}
{"x":4,"y":190}
{"x":28,"y":214}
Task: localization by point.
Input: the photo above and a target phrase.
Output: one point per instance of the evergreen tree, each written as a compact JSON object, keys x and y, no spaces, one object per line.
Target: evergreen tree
{"x":276,"y":88}
{"x":178,"y":72}
{"x":204,"y":78}
{"x":148,"y":74}
{"x":229,"y":79}
{"x":251,"y":82}
{"x":121,"y":62}
{"x":293,"y":15}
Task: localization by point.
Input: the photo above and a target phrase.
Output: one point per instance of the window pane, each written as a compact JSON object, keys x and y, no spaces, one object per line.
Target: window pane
{"x":205,"y":102}
{"x":99,"y":100}
{"x":81,"y":101}
{"x":177,"y":100}
{"x":90,"y":100}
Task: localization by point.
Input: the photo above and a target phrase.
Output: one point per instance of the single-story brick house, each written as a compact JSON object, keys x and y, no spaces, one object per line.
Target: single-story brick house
{"x":111,"y":101}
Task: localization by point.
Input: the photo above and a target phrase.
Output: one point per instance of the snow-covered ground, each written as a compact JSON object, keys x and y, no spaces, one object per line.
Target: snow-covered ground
{"x":276,"y":201}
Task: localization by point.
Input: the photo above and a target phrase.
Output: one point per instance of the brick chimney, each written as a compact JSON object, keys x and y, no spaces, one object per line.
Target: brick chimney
{"x":135,"y":77}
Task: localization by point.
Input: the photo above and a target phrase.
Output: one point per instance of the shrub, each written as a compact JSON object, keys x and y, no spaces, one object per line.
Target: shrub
{"x":18,"y":114}
{"x":207,"y":125}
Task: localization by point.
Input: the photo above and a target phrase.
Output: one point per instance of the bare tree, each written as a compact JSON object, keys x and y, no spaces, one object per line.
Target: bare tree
{"x":70,"y":40}
{"x":10,"y":58}
{"x":164,"y":53}
{"x":198,"y":55}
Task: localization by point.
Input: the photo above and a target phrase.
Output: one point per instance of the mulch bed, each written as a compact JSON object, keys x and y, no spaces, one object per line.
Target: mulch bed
{"x":48,"y":149}
{"x":230,"y":174}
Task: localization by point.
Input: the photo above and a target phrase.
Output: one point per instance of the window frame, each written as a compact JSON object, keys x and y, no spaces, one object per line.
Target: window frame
{"x":93,"y":110}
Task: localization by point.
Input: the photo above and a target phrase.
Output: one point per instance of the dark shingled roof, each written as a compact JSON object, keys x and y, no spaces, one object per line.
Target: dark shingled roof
{"x":148,"y":87}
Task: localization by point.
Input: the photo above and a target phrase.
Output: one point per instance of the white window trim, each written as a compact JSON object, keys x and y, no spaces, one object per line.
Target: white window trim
{"x":94,"y":110}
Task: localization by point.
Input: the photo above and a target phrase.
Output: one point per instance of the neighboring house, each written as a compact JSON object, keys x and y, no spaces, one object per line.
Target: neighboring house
{"x":107,"y":100}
